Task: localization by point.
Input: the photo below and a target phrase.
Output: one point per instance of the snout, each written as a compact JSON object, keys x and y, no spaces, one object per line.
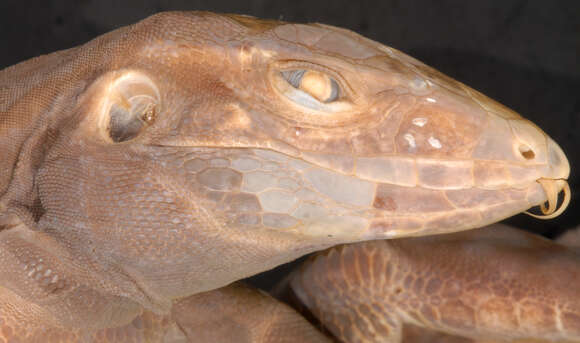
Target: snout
{"x":534,"y":159}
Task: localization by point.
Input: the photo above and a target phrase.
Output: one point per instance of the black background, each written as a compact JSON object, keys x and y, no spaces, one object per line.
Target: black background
{"x":524,"y":54}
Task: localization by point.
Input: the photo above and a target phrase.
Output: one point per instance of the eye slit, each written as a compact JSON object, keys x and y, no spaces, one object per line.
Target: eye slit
{"x":318,"y":85}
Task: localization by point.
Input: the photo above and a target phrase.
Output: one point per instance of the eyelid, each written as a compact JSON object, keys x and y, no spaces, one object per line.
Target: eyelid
{"x":302,"y":100}
{"x":295,"y":104}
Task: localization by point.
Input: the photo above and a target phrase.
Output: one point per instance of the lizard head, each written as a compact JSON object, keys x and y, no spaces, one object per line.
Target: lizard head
{"x":199,"y":136}
{"x":314,"y":129}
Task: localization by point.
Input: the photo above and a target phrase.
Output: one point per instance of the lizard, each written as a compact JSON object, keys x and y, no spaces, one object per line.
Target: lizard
{"x":497,"y":284}
{"x":179,"y":154}
{"x":377,"y":275}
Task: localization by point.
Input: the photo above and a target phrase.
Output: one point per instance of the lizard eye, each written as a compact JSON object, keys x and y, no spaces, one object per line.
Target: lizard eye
{"x":314,"y":90}
{"x":318,"y":85}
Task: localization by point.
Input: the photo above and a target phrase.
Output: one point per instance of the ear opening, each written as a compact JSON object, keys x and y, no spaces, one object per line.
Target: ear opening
{"x":130,"y":105}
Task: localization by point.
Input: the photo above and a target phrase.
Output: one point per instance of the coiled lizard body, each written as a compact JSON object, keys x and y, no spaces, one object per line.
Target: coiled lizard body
{"x":190,"y":150}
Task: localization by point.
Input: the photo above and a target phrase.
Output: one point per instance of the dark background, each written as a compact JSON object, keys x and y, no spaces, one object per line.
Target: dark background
{"x":524,"y":54}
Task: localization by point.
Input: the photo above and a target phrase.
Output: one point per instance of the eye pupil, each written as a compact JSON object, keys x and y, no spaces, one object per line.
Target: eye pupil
{"x":318,"y":85}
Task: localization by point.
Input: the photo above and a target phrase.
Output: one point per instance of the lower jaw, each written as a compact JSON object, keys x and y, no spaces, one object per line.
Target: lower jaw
{"x":486,"y":209}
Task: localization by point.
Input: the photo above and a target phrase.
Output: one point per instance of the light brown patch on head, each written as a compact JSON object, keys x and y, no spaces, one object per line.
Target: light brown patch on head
{"x":257,"y":25}
{"x":446,"y":128}
{"x":220,"y":179}
{"x":329,"y":40}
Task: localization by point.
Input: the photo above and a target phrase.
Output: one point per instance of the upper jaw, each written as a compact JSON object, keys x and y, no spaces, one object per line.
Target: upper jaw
{"x":513,"y":166}
{"x":558,"y":165}
{"x":554,"y":182}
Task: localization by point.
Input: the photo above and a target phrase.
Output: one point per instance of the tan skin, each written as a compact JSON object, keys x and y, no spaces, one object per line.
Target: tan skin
{"x":495,"y":284}
{"x":191,"y":150}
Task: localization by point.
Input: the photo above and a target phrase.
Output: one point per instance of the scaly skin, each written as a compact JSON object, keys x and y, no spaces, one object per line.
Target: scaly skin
{"x":235,"y":313}
{"x":190,"y":150}
{"x":497,"y":284}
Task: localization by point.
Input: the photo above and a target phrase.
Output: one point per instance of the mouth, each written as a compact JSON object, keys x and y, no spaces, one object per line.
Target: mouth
{"x":552,"y":188}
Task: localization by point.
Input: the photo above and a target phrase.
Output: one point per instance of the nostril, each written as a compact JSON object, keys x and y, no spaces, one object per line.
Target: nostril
{"x":527,"y":152}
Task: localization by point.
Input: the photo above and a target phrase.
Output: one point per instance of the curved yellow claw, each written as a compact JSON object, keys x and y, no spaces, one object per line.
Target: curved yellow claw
{"x":552,"y":188}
